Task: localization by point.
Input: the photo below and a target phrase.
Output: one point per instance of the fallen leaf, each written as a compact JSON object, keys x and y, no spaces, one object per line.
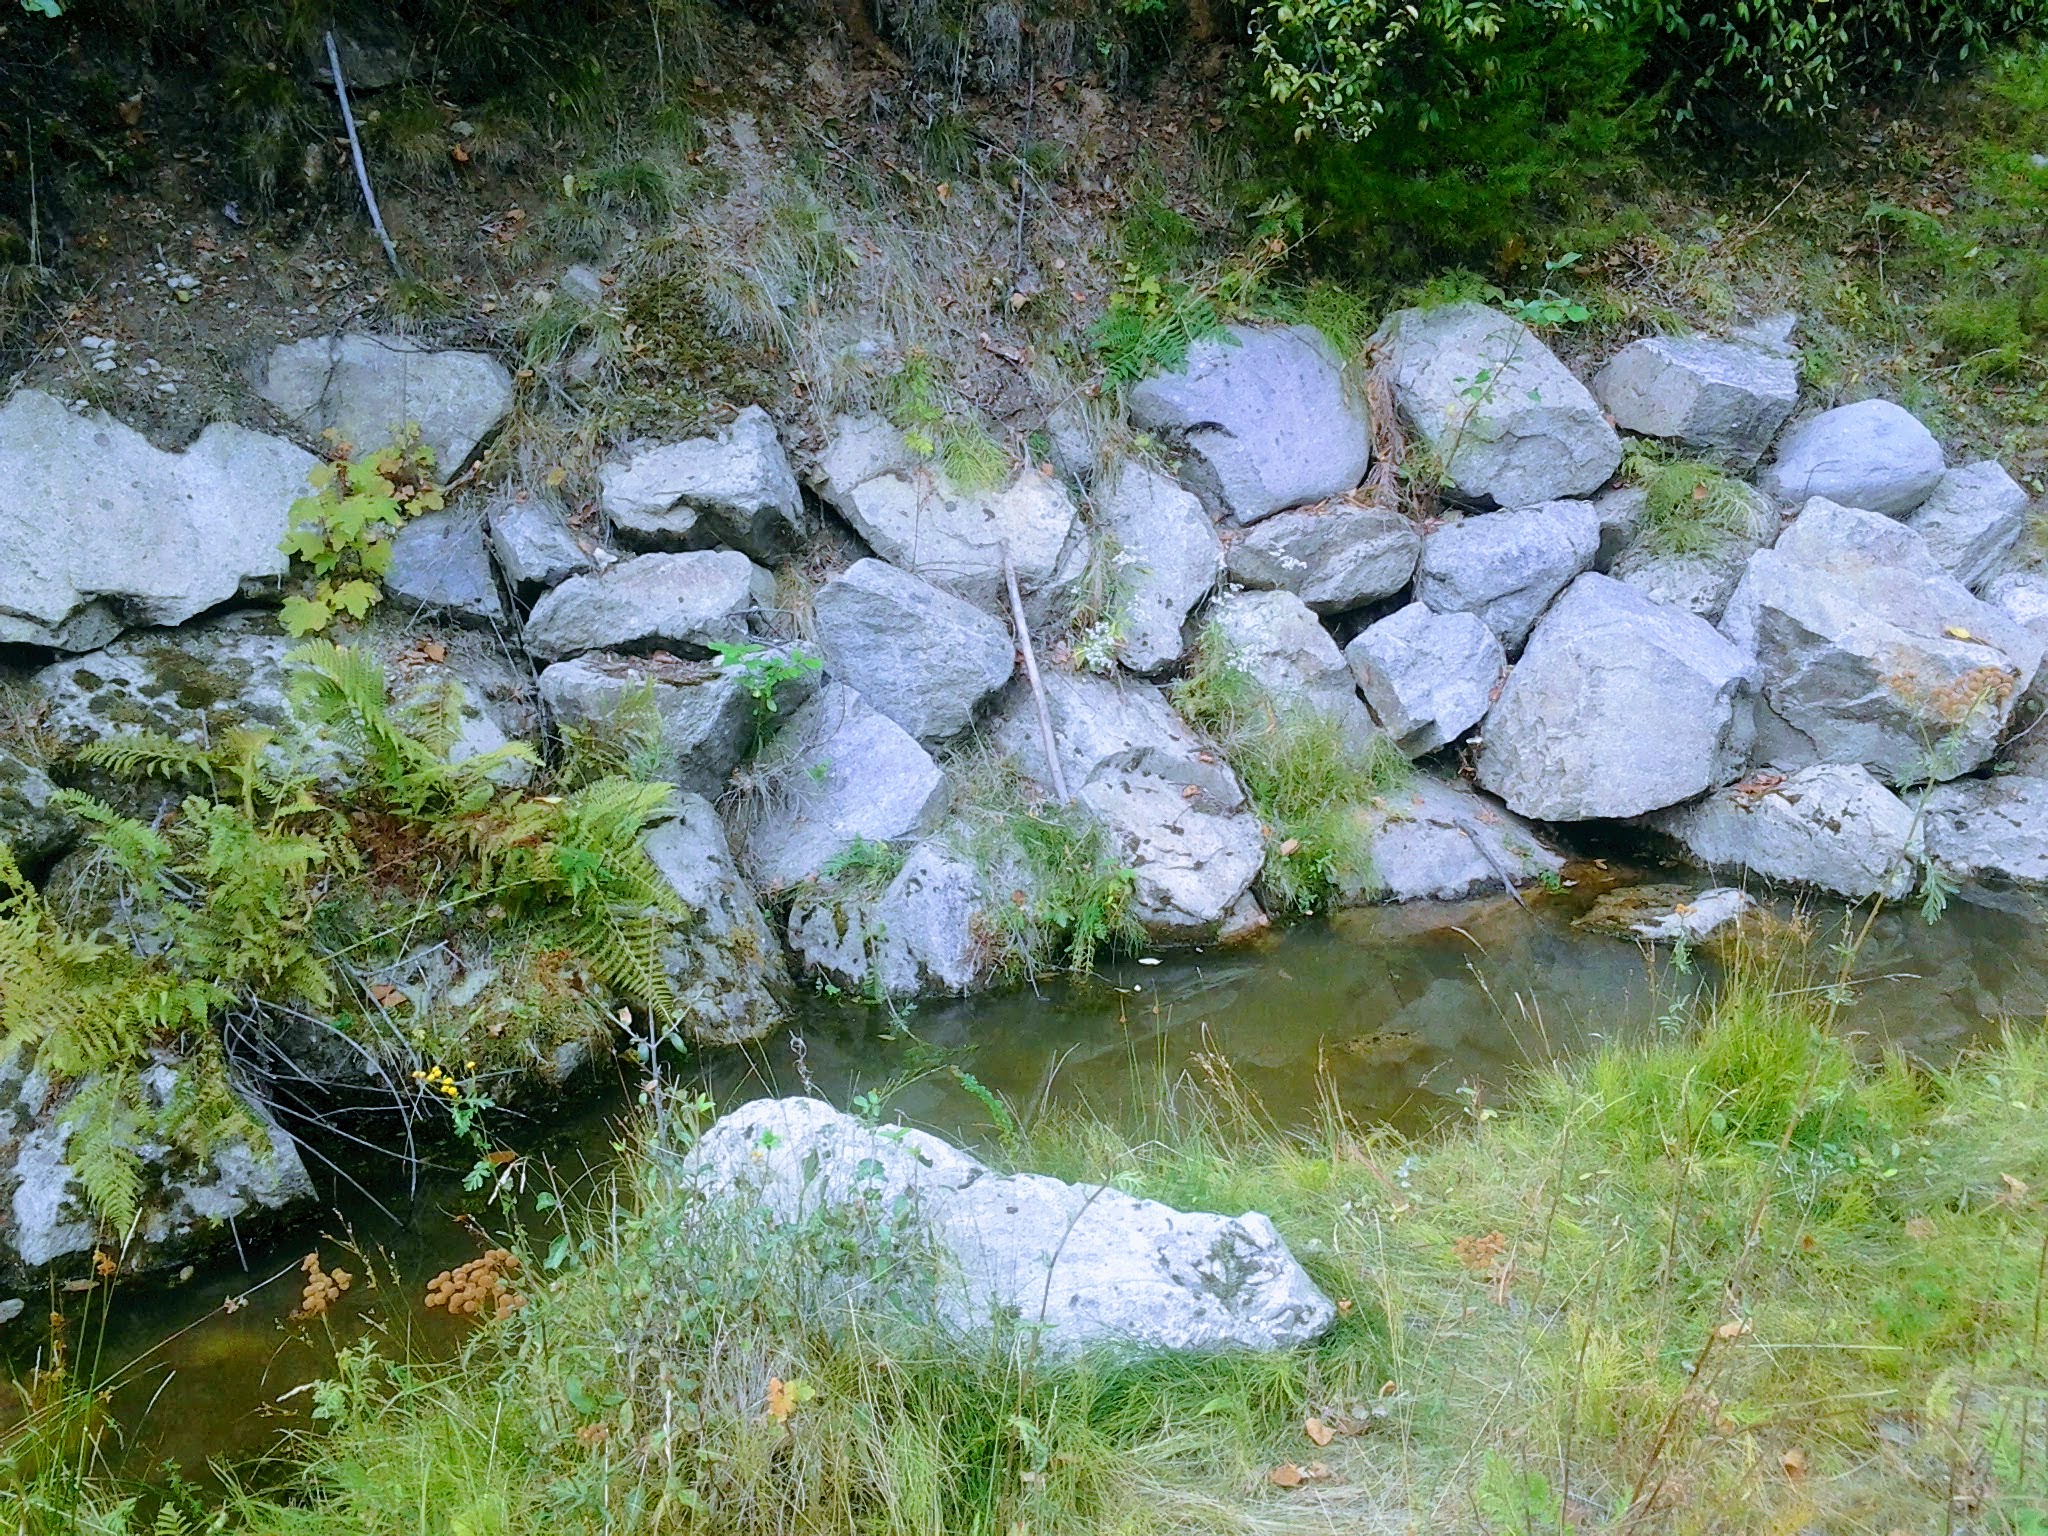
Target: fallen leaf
{"x":2015,"y":1190}
{"x":385,"y":994}
{"x":1345,"y":1305}
{"x":1286,"y":1475}
{"x":1735,"y":1330}
{"x":1957,"y":632}
{"x":433,"y":650}
{"x":1290,"y":848}
{"x":501,"y":1158}
{"x":1919,"y":1228}
{"x":459,"y":155}
{"x":1191,"y":791}
{"x":1794,"y":1462}
{"x":1318,"y":1431}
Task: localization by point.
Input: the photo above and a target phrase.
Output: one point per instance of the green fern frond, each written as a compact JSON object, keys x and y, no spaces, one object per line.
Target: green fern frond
{"x":147,"y":755}
{"x":106,"y":1120}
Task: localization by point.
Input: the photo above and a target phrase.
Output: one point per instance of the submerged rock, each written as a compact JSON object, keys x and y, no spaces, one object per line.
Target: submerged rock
{"x":1034,"y":1265}
{"x":725,"y":966}
{"x":1428,"y":677}
{"x":839,"y":771}
{"x":1334,"y":558}
{"x":1873,"y":454}
{"x":367,"y":389}
{"x":1268,"y":419}
{"x":1619,"y":706}
{"x":1167,"y":559}
{"x":1667,"y":914}
{"x":920,"y":655}
{"x":1506,"y":567}
{"x":682,"y":603}
{"x":100,"y":531}
{"x":1832,"y":827}
{"x":1723,"y":397}
{"x":1505,"y":419}
{"x":735,"y":488}
{"x":1868,"y":652}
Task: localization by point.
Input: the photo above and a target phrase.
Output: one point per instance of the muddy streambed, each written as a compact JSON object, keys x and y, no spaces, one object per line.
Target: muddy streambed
{"x":1409,"y":1012}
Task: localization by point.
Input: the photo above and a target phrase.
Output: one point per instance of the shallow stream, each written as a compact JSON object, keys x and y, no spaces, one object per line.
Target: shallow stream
{"x":1407,"y":1012}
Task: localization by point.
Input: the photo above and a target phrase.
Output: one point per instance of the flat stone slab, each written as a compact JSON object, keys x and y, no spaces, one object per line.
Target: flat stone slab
{"x":1428,"y":677}
{"x":681,"y":603}
{"x":1506,"y":567}
{"x":1832,"y":827}
{"x":920,"y":655}
{"x":1722,"y":397}
{"x":1334,"y":558}
{"x":366,"y":389}
{"x":1168,"y":557}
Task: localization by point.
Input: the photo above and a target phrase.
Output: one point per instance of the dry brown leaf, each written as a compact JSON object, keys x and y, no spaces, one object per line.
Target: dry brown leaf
{"x":1735,"y":1330}
{"x":1318,"y":1431}
{"x":1794,"y":1462}
{"x":1345,"y":1305}
{"x":433,"y":650}
{"x":1919,"y":1228}
{"x":1287,"y":1475}
{"x":385,"y":994}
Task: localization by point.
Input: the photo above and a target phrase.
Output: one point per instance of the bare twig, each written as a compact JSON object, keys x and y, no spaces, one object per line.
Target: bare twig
{"x":1045,"y":736}
{"x":355,"y":149}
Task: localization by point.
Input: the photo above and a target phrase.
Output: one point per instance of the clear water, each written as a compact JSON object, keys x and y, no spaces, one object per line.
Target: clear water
{"x":1406,"y":1011}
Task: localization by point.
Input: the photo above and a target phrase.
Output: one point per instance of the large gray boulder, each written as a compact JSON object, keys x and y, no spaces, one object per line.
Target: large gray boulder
{"x":1168,"y":801}
{"x":1971,"y":520}
{"x":1505,"y":419}
{"x":920,"y":655}
{"x":441,"y":564}
{"x":193,"y":1199}
{"x":1428,"y":677}
{"x":368,"y":389}
{"x":29,"y":824}
{"x":1032,"y":1265}
{"x":1268,"y":417}
{"x":1167,"y":559}
{"x":838,"y":772}
{"x":1990,"y":838}
{"x":725,"y":966}
{"x":913,"y":516}
{"x":100,"y":531}
{"x":1275,"y":638}
{"x":534,"y":546}
{"x":1702,"y":580}
{"x":703,"y":711}
{"x":1873,"y":454}
{"x":1721,"y":397}
{"x":925,"y":933}
{"x":1438,"y":840}
{"x":735,"y":488}
{"x":681,"y":603}
{"x":1619,"y":706}
{"x":1868,"y":652}
{"x":1334,"y":558}
{"x":1506,"y":567}
{"x":1831,"y":826}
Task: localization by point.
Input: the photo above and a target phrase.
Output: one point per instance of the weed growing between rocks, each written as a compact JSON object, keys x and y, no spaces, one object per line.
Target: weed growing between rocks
{"x":1726,"y":1277}
{"x":1690,"y":508}
{"x":1306,"y":779}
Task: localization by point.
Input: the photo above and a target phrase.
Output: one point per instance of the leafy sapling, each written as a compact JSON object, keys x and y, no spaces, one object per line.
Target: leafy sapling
{"x":340,"y":536}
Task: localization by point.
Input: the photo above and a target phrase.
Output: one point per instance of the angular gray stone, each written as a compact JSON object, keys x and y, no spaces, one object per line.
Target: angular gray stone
{"x":1428,"y":677}
{"x":1621,"y":513}
{"x":680,"y":602}
{"x":1700,"y":582}
{"x":1167,"y":561}
{"x":535,"y":548}
{"x":1722,"y":397}
{"x":2023,"y":597}
{"x":1034,"y":1266}
{"x":191,"y":1203}
{"x":925,"y":934}
{"x":726,"y":968}
{"x":1506,"y":567}
{"x":705,"y":711}
{"x":735,"y":488}
{"x":100,"y":531}
{"x":1437,"y":840}
{"x":1990,"y":837}
{"x":1618,"y":706}
{"x":837,"y":772}
{"x":366,"y":389}
{"x":920,"y":655}
{"x":1873,"y":454}
{"x":29,"y":824}
{"x":914,"y":517}
{"x":1667,"y":914}
{"x":1868,"y":652}
{"x":1831,"y":826}
{"x":1268,"y":418}
{"x":441,"y":564}
{"x":1971,"y":521}
{"x":1274,"y":637}
{"x":1334,"y":558}
{"x":1170,"y":804}
{"x":1506,"y":420}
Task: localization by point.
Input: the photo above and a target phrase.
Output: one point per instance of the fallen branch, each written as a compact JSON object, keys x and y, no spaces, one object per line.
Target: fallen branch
{"x":355,"y":149}
{"x":1045,"y":736}
{"x":1464,"y":825}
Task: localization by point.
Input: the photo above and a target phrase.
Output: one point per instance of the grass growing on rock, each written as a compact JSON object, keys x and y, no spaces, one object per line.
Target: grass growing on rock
{"x":1690,"y":508}
{"x":1724,"y":1278}
{"x":1305,"y":779}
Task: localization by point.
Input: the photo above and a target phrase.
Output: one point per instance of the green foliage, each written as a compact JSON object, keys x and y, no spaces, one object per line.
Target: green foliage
{"x":1690,"y":508}
{"x":936,"y":425}
{"x":863,"y":865}
{"x":1150,"y":323}
{"x":1311,"y":787}
{"x":763,"y":671}
{"x":340,"y":536}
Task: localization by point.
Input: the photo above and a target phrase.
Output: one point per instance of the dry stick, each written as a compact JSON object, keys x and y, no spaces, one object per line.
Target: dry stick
{"x":1024,"y":165}
{"x":1045,"y":736}
{"x":355,"y":149}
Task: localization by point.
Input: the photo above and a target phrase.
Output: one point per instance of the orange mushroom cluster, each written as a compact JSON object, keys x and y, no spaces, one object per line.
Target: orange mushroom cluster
{"x":480,"y":1287}
{"x":323,"y":1287}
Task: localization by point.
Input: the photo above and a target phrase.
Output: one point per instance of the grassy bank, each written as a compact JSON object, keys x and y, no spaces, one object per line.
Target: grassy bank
{"x":1728,"y":1278}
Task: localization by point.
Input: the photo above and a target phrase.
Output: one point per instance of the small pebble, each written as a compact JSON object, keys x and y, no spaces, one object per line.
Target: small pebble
{"x":105,"y":365}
